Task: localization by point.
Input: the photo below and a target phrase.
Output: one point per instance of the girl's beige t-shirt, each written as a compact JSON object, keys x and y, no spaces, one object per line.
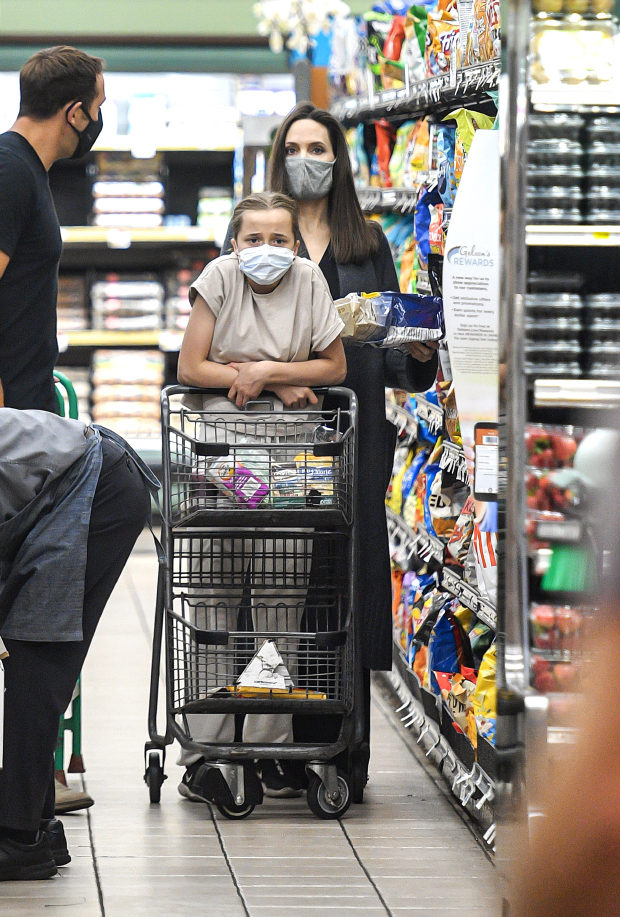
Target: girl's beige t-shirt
{"x":287,"y":325}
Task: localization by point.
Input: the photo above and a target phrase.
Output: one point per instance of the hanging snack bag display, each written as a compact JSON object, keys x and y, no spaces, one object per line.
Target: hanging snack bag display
{"x":442,"y":42}
{"x":467,"y":123}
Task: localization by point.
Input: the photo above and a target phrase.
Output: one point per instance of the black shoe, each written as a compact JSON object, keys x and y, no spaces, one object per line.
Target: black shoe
{"x":26,"y":861}
{"x":278,"y":780}
{"x":188,"y":788}
{"x":58,"y":842}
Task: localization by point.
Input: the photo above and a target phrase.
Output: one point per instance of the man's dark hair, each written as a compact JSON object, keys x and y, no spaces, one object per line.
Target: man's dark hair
{"x":55,"y":76}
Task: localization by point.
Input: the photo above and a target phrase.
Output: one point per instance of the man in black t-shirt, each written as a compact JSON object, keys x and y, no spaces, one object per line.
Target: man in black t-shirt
{"x":59,"y":118}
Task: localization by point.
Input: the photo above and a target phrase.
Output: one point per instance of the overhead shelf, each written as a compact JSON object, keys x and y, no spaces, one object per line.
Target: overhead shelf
{"x":575,"y":98}
{"x":396,"y":200}
{"x":581,"y":234}
{"x":166,"y":341}
{"x":576,"y":393}
{"x":460,"y":86}
{"x":124,"y":238}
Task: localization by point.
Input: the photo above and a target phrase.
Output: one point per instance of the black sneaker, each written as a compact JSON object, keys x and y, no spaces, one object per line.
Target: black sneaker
{"x":26,"y":861}
{"x":187,"y":788}
{"x":279,"y":781}
{"x":58,"y":842}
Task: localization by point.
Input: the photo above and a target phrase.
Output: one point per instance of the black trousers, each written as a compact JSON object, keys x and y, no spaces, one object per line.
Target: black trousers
{"x":40,"y":677}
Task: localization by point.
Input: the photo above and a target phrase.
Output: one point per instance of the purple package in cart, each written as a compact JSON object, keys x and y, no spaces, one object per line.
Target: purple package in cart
{"x":241,"y":482}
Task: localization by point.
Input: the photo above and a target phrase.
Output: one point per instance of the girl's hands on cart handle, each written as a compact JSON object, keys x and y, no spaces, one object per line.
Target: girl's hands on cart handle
{"x":250,"y":382}
{"x":294,"y":396}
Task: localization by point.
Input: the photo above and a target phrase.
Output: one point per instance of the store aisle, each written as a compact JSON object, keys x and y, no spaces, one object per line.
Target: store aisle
{"x":405,"y":852}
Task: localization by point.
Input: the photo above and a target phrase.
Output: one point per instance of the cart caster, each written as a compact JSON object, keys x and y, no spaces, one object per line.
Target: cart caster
{"x":234,"y":812}
{"x":154,"y":777}
{"x":323,"y":802}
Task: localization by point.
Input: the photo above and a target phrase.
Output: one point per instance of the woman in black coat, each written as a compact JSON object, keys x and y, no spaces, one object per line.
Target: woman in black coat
{"x":310,"y":162}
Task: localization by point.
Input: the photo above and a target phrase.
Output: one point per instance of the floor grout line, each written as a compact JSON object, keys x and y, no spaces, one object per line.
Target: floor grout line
{"x":364,"y":870}
{"x":228,"y":862}
{"x":93,"y":853}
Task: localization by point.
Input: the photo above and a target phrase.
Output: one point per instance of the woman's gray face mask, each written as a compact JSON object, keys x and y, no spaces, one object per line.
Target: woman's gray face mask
{"x":308,"y":179}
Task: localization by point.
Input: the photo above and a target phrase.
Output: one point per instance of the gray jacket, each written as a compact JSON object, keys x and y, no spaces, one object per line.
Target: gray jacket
{"x":49,"y":469}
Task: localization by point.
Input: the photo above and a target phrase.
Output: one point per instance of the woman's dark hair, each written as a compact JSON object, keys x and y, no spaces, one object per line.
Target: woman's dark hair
{"x":265,"y":200}
{"x":55,"y":76}
{"x":353,"y":237}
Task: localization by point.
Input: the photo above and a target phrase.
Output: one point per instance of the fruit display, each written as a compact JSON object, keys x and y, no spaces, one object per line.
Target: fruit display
{"x":550,"y":447}
{"x":550,"y":677}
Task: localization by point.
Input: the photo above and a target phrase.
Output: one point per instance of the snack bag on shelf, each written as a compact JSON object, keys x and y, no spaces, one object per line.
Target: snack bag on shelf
{"x":412,"y":472}
{"x":484,"y":697}
{"x":358,"y":155}
{"x":386,"y":138}
{"x":435,"y":229}
{"x":378,"y":26}
{"x":456,"y":691}
{"x":422,"y":625}
{"x":446,"y":503}
{"x":442,"y":42}
{"x":467,"y":123}
{"x":422,"y":221}
{"x":446,"y":180}
{"x":415,"y":41}
{"x":417,"y":152}
{"x":397,"y":162}
{"x":395,"y":500}
{"x":483,"y":35}
{"x":406,"y":278}
{"x":480,"y":638}
{"x":392,"y":68}
{"x":448,"y":648}
{"x":451,"y":413}
{"x":463,"y":532}
{"x":485,"y":550}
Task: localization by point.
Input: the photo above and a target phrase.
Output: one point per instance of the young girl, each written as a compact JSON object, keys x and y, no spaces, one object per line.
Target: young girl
{"x":260,"y":313}
{"x":263,"y":325}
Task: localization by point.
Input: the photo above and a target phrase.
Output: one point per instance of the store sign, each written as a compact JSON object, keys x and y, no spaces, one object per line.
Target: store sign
{"x":471,"y":307}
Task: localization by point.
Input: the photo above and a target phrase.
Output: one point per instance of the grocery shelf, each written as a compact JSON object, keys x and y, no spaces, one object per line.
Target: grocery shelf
{"x":108,"y":339}
{"x":431,"y":413}
{"x":426,"y":546}
{"x":580,"y":234}
{"x":471,"y":784}
{"x":469,"y":597}
{"x":394,"y":200}
{"x":425,"y":95}
{"x":453,"y":461}
{"x":575,"y":98}
{"x":402,"y":419}
{"x":124,"y":238}
{"x":576,"y":393}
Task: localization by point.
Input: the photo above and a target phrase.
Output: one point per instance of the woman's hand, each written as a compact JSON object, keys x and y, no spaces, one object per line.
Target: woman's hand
{"x":294,"y":396}
{"x":250,"y":382}
{"x":422,"y":352}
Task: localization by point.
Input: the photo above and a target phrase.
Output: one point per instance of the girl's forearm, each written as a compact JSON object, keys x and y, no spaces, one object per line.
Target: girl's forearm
{"x":309,"y":372}
{"x":208,"y":375}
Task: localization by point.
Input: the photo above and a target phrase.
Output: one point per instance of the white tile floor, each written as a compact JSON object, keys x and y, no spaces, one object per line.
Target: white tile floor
{"x":405,"y":852}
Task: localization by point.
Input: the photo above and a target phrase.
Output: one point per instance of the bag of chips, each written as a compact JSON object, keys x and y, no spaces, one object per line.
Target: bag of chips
{"x":386,"y":137}
{"x":413,"y":318}
{"x":435,"y":230}
{"x":417,"y":152}
{"x":451,"y":415}
{"x":483,"y":35}
{"x":442,"y":41}
{"x":448,"y":648}
{"x":412,"y":472}
{"x":365,"y":319}
{"x":446,"y":181}
{"x":378,"y":27}
{"x":467,"y":123}
{"x":415,"y":41}
{"x":480,"y":638}
{"x":422,"y":222}
{"x":392,"y":67}
{"x":397,"y":162}
{"x":445,"y":502}
{"x":484,"y":698}
{"x":461,"y":538}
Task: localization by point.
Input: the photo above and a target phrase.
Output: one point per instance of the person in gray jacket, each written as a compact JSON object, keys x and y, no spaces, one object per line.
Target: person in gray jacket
{"x":73,"y":500}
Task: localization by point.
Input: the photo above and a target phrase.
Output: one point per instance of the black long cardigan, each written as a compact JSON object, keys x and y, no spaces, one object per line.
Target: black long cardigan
{"x":369,"y":371}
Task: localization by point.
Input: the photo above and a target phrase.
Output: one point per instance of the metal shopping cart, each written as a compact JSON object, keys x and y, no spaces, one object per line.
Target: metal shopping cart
{"x":255,"y":609}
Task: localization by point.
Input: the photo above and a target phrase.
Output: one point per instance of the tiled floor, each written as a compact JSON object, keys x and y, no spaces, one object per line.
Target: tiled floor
{"x":403,"y":853}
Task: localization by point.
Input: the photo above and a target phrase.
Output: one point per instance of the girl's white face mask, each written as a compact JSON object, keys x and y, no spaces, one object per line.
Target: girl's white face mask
{"x":265,"y":264}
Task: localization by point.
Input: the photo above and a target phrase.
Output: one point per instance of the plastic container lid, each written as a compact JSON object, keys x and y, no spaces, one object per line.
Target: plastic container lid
{"x":540,"y":370}
{"x":554,"y":215}
{"x":567,"y":323}
{"x":555,"y":302}
{"x":540,"y":350}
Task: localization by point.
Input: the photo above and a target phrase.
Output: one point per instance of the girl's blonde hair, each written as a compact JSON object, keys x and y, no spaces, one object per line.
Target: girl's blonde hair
{"x":266,"y":200}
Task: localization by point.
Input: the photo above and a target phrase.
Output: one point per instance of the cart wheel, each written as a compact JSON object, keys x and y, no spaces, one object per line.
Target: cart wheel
{"x":154,"y":777}
{"x":320,"y":804}
{"x":234,"y":812}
